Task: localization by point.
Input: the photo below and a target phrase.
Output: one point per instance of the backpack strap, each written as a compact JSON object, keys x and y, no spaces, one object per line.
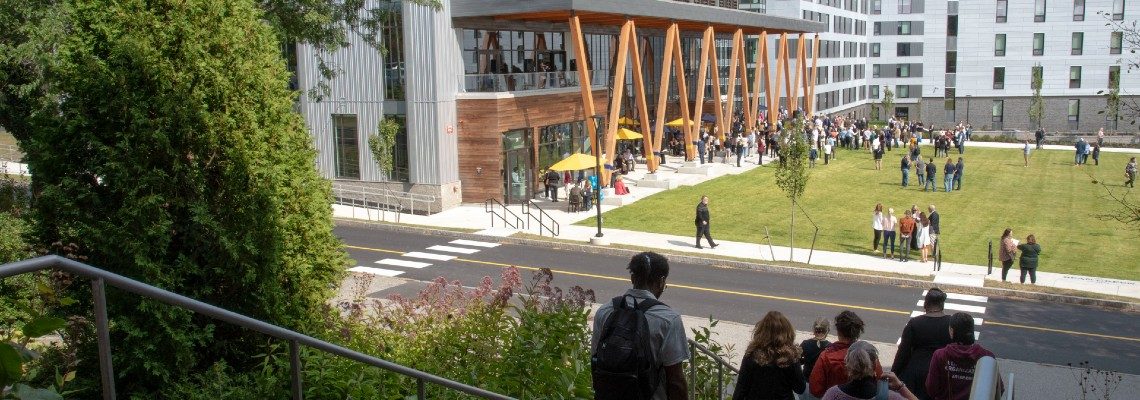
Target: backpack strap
{"x":639,"y":304}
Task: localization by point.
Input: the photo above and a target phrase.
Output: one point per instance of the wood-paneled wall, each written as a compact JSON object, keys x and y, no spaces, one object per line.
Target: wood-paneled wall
{"x":481,"y":126}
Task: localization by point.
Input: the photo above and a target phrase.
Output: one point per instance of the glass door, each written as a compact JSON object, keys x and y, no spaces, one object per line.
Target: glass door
{"x":517,"y":175}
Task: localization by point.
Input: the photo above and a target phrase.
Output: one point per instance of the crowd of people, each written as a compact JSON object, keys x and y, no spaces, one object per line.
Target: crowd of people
{"x":639,"y":343}
{"x":917,"y":231}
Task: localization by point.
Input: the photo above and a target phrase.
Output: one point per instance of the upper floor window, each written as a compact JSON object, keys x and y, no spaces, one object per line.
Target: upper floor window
{"x":1038,"y":10}
{"x":903,"y":91}
{"x":1038,"y":44}
{"x":1074,"y":77}
{"x":878,"y":28}
{"x":1116,"y":43}
{"x":1078,"y":10}
{"x":875,"y":49}
{"x":1002,"y":9}
{"x":999,"y":45}
{"x":1078,"y":43}
{"x":904,"y":6}
{"x":999,"y":77}
{"x":1117,"y":10}
{"x":902,"y":70}
{"x":904,"y":28}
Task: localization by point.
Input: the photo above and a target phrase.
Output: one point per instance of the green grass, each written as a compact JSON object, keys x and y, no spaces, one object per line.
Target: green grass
{"x":1051,"y":198}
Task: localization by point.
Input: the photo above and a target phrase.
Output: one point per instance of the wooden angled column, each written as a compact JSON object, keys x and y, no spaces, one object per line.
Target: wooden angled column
{"x":699,"y":89}
{"x":810,"y":101}
{"x":663,"y":86}
{"x":616,"y":96}
{"x":647,"y":139}
{"x":584,"y":84}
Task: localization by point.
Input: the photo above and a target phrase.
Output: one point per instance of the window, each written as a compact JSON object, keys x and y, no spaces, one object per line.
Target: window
{"x":904,"y":6}
{"x":347,"y":143}
{"x":878,"y":28}
{"x":875,"y":91}
{"x":876,"y":7}
{"x":1117,"y":10}
{"x":904,"y":28}
{"x":1078,"y":43}
{"x":952,"y":25}
{"x":1114,"y":77}
{"x":1074,"y":77}
{"x":999,"y":45}
{"x":1078,"y":10}
{"x":1116,"y":43}
{"x":951,"y":62}
{"x":999,"y":77}
{"x":875,"y":49}
{"x":1074,"y":110}
{"x":903,"y":91}
{"x":902,"y":70}
{"x":1002,"y":9}
{"x":1038,"y":44}
{"x":1038,"y":10}
{"x":902,"y":50}
{"x":998,"y":111}
{"x":1036,"y":77}
{"x":875,"y":71}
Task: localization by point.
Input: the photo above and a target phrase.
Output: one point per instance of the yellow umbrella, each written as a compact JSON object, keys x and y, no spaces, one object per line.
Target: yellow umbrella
{"x":676,"y":122}
{"x":576,"y":162}
{"x":627,"y":134}
{"x":627,"y":121}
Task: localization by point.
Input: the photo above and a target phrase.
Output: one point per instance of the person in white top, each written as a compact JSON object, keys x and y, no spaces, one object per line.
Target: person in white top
{"x":877,"y":226}
{"x":889,"y":224}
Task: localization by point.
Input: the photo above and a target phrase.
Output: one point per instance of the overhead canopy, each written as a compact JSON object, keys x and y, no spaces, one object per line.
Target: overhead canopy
{"x":648,"y":14}
{"x":575,"y":162}
{"x":626,"y":134}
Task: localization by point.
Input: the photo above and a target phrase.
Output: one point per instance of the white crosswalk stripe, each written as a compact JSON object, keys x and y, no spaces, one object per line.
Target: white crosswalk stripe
{"x":962,"y":307}
{"x":977,"y":321}
{"x":963,"y":297}
{"x":375,"y":271}
{"x":428,"y":256}
{"x":450,"y":249}
{"x":463,"y":242}
{"x":403,"y":263}
{"x":976,"y":311}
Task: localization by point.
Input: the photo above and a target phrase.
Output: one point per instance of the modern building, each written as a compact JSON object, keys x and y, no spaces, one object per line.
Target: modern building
{"x":489,"y":93}
{"x":954,"y":61}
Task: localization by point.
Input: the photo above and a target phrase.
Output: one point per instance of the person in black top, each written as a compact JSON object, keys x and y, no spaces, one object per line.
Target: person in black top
{"x":1040,"y":136}
{"x":551,"y":180}
{"x":920,"y":338}
{"x":811,"y":349}
{"x":770,"y":368}
{"x":702,"y":222}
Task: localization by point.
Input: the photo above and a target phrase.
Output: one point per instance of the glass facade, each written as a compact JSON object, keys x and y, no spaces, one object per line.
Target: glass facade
{"x":346,"y":141}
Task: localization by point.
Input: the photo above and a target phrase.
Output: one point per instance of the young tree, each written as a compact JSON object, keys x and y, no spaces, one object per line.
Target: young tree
{"x":792,"y":173}
{"x":1036,"y":103}
{"x":383,"y":144}
{"x":164,"y":145}
{"x":888,"y":103}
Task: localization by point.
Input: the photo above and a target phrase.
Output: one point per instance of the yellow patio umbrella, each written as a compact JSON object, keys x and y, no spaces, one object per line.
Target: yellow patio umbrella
{"x":575,"y":162}
{"x":626,"y":134}
{"x":627,"y":121}
{"x":675,"y":123}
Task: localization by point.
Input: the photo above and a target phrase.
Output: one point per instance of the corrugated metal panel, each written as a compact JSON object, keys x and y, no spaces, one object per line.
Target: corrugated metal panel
{"x":433,"y":68}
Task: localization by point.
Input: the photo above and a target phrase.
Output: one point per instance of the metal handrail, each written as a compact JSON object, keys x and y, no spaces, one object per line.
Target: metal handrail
{"x":987,"y":384}
{"x":369,"y":202}
{"x":721,"y":365}
{"x":555,"y":228}
{"x":400,"y":198}
{"x":99,"y":278}
{"x":489,"y":207}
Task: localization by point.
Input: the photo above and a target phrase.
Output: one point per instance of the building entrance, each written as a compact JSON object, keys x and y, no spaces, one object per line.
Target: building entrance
{"x":517,"y":173}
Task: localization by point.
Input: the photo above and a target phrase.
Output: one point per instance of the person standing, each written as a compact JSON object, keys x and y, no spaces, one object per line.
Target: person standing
{"x":702,"y":145}
{"x":1025,"y":152}
{"x":948,"y":175}
{"x":958,"y":174}
{"x":1096,"y":154}
{"x":1030,"y":251}
{"x":935,"y":229}
{"x":906,"y":229}
{"x":877,"y":226}
{"x":1040,"y":136}
{"x":702,"y":222}
{"x":812,"y":154}
{"x":865,"y":383}
{"x":922,"y":235}
{"x":551,"y":179}
{"x":770,"y":368}
{"x":920,"y":170}
{"x":951,"y":375}
{"x":1130,"y":172}
{"x":668,"y":346}
{"x":904,"y":166}
{"x":741,"y":147}
{"x":889,"y":224}
{"x":1007,"y":249}
{"x":931,"y":172}
{"x":831,"y":369}
{"x":811,"y":349}
{"x":877,"y":152}
{"x":922,"y":336}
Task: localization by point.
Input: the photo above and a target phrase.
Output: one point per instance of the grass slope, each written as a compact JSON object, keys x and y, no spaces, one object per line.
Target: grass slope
{"x":1051,"y":198}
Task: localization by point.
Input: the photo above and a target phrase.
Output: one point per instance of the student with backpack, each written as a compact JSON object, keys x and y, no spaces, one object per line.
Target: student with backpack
{"x":638,"y":342}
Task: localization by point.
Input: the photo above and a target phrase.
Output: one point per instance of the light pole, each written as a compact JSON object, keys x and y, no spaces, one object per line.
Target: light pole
{"x":598,"y":176}
{"x":968,"y":109}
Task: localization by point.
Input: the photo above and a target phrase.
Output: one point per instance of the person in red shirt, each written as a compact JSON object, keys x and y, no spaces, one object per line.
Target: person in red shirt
{"x":952,"y":367}
{"x":906,"y":229}
{"x":830,"y":369}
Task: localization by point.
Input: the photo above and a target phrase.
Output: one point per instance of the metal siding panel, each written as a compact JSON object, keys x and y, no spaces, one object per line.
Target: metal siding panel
{"x":433,"y":67}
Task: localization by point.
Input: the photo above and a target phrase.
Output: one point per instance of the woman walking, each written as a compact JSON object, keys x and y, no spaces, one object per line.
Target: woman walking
{"x":1007,"y":249}
{"x":877,"y":226}
{"x":770,"y":369}
{"x":1029,"y":252}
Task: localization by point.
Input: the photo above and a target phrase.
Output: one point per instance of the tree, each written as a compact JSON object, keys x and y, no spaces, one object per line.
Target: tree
{"x":792,"y":172}
{"x":164,"y":145}
{"x":383,"y":144}
{"x":888,"y":103}
{"x":1036,"y":103}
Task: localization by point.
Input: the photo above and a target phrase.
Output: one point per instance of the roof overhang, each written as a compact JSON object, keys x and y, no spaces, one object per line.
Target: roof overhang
{"x":609,"y":14}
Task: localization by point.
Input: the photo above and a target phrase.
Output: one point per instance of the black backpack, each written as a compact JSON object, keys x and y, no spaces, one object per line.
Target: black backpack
{"x":624,"y":365}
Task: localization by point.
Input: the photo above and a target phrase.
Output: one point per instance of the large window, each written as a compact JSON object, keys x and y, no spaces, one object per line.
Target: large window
{"x":1038,"y":10}
{"x":391,"y":38}
{"x":1116,"y":43}
{"x":904,"y":28}
{"x":878,"y":28}
{"x":346,"y":143}
{"x":951,"y":62}
{"x":904,"y":49}
{"x":998,"y":112}
{"x":999,"y":45}
{"x":1114,"y":77}
{"x":1074,"y":77}
{"x":875,"y":71}
{"x":1078,"y":43}
{"x":874,"y":91}
{"x":999,"y":77}
{"x":904,"y":6}
{"x":1117,"y":10}
{"x":902,"y":70}
{"x":1002,"y":9}
{"x":875,"y":47}
{"x":952,"y":25}
{"x":902,"y":91}
{"x":1038,"y":44}
{"x":876,"y":7}
{"x":1074,"y":110}
{"x":1078,"y":10}
{"x":1036,"y":77}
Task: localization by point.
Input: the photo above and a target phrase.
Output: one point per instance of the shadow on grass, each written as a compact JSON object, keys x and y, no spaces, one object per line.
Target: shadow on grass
{"x":680,"y":243}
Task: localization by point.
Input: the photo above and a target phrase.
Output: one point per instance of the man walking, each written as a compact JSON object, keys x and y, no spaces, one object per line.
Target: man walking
{"x":551,"y":180}
{"x":931,"y":171}
{"x":638,"y":320}
{"x":702,"y":222}
{"x":958,"y":174}
{"x":948,"y":175}
{"x":1040,"y":136}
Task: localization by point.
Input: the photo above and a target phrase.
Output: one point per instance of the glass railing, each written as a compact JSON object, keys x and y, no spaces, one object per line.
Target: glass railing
{"x":528,"y":81}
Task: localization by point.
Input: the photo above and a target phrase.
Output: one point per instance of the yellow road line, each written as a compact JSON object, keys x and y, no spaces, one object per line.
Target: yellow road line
{"x":763,"y":296}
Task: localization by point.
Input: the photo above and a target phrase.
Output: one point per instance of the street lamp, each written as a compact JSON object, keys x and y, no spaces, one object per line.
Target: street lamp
{"x":598,"y":175}
{"x":968,"y":109}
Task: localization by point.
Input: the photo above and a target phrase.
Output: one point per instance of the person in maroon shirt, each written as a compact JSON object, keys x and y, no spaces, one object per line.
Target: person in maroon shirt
{"x":952,"y":367}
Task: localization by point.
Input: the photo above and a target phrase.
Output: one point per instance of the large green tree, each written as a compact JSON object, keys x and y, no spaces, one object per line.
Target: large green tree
{"x":163,"y":144}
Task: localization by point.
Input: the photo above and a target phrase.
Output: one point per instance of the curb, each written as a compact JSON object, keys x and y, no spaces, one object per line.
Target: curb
{"x":1115,"y":305}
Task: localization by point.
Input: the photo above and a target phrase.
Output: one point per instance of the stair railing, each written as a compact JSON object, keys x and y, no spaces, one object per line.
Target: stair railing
{"x":721,"y":366}
{"x":543,"y":218}
{"x":509,"y":218}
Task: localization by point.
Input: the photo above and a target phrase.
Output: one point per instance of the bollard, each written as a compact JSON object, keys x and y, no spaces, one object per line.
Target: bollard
{"x":990,"y":264}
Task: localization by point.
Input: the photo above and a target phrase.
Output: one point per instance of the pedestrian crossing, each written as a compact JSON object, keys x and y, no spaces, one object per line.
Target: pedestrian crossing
{"x":415,"y":260}
{"x":957,"y":302}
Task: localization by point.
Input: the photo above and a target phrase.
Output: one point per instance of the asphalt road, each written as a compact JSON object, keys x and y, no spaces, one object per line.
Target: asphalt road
{"x":1016,"y":329}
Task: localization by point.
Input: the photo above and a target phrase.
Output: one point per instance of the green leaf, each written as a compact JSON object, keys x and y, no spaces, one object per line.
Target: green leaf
{"x":43,"y":325}
{"x":67,"y":301}
{"x":25,"y":392}
{"x":11,"y":365}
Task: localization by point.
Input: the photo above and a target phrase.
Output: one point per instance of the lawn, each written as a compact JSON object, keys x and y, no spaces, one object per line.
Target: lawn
{"x":1051,"y":198}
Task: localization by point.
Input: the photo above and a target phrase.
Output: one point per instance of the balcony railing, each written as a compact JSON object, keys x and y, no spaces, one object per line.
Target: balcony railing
{"x":474,"y":83}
